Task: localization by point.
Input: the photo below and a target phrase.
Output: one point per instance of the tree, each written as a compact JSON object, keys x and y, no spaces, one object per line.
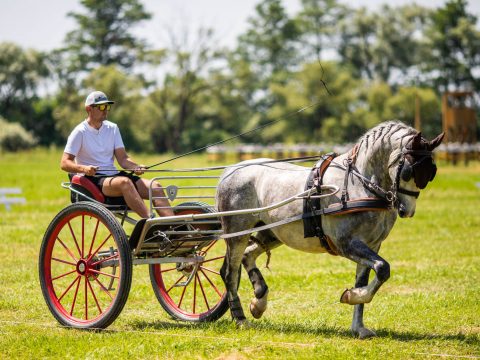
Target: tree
{"x":317,"y":23}
{"x":330,"y":119}
{"x":177,"y":101}
{"x":20,"y":74}
{"x":377,"y":45}
{"x":104,"y":36}
{"x":269,"y":42}
{"x":453,"y":42}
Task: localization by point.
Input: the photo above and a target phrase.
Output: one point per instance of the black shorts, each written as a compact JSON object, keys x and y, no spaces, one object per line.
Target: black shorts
{"x":100,"y":178}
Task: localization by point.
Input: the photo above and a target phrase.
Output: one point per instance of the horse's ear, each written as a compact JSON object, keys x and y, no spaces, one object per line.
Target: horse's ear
{"x":435,"y":142}
{"x":417,"y":141}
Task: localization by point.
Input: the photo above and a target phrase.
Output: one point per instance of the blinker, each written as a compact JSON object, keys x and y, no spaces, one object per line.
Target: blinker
{"x":422,"y":171}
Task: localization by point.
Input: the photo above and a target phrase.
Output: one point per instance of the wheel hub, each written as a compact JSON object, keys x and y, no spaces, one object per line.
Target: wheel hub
{"x":82,"y":267}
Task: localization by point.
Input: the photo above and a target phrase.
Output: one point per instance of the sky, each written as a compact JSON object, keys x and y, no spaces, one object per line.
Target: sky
{"x":43,"y":24}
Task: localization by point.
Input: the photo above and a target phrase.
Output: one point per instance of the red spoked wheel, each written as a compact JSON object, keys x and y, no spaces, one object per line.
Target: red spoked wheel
{"x":204,"y":297}
{"x":85,"y":266}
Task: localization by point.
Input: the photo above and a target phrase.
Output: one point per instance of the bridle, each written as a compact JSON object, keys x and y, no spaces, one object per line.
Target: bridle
{"x":405,"y":171}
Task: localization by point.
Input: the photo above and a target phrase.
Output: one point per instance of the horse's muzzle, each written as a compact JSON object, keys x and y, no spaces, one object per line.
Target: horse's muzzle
{"x":403,"y":213}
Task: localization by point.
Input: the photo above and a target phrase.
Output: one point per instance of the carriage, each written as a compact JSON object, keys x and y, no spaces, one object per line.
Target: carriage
{"x":86,"y":257}
{"x":90,"y":247}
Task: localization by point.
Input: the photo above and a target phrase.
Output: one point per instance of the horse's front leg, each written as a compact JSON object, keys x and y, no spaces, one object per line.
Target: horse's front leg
{"x":358,"y":329}
{"x":363,"y":255}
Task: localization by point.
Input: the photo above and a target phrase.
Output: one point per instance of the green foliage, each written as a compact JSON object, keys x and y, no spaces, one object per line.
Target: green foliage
{"x":453,"y":47}
{"x":268,"y":43}
{"x":104,"y":36}
{"x":317,"y":22}
{"x":13,"y":137}
{"x":401,"y":106}
{"x":21,"y":72}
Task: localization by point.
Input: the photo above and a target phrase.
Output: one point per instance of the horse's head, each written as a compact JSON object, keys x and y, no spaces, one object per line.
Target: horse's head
{"x":415,"y":168}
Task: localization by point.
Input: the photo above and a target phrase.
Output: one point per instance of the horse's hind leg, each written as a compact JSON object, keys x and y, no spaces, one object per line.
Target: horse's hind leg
{"x":230,"y":273}
{"x":259,"y":244}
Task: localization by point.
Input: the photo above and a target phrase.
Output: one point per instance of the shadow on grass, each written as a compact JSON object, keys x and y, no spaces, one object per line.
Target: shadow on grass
{"x":313,"y":329}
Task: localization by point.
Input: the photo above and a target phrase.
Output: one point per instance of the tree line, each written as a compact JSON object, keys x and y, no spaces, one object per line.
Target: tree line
{"x":359,"y":67}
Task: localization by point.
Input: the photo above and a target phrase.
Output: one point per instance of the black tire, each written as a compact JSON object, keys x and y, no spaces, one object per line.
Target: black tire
{"x":208,"y":286}
{"x":85,"y":266}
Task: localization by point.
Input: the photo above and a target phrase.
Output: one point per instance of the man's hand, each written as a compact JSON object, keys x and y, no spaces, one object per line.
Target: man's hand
{"x":139,"y":170}
{"x":90,"y":170}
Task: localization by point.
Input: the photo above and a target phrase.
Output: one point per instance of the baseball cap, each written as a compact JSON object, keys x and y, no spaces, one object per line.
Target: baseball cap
{"x":96,"y":98}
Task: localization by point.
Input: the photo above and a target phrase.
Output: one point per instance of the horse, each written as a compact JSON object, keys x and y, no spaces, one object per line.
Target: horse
{"x":391,"y":163}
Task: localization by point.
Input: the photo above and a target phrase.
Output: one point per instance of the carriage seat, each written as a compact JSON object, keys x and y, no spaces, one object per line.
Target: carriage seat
{"x":85,"y":186}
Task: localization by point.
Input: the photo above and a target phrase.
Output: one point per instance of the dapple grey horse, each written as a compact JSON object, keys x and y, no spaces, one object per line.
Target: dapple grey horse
{"x":391,"y":161}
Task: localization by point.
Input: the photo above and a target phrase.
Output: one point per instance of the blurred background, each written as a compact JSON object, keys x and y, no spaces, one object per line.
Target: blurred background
{"x":185,"y":74}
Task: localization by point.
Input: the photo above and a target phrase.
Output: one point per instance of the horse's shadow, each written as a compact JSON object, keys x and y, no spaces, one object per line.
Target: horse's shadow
{"x":321,"y":330}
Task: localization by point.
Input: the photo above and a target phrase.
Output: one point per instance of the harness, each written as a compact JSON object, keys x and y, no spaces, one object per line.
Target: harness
{"x":312,"y":221}
{"x":384,"y":200}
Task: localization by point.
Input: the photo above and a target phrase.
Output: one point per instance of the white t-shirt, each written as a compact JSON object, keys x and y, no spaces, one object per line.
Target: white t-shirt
{"x":95,"y":147}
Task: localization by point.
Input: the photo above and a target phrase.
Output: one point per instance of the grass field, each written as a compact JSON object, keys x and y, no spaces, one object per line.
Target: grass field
{"x":429,"y":308}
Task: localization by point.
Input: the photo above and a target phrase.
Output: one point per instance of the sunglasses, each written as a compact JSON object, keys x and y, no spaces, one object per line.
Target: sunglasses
{"x":103,"y":107}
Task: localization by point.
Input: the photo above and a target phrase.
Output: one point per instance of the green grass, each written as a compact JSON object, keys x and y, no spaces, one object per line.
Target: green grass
{"x":429,"y":306}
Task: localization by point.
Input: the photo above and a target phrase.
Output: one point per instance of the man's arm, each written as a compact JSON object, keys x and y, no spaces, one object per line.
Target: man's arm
{"x":68,"y":164}
{"x":126,"y":162}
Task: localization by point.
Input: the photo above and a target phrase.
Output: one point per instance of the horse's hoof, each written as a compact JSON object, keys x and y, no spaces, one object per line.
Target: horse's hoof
{"x":364,"y":333}
{"x":242,"y":323}
{"x":345,"y":298}
{"x":258,"y":306}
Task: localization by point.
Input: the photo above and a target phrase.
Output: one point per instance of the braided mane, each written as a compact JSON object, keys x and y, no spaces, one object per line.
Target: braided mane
{"x":389,"y":134}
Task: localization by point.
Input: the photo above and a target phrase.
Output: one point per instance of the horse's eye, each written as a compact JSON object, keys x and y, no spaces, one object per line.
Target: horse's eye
{"x":407,"y":172}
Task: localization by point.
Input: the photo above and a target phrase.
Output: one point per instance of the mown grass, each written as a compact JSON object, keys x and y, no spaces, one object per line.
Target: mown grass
{"x":429,"y":307}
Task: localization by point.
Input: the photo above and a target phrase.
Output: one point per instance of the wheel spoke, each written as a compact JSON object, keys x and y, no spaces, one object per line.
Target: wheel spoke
{"x":98,"y":249}
{"x":203,"y":291}
{"x":60,"y":276}
{"x":181,"y":298}
{"x":210,"y":270}
{"x":213,"y":259}
{"x":64,"y":261}
{"x":209,"y":246}
{"x":194,"y":293}
{"x":68,"y":288}
{"x":176,"y":284}
{"x":104,"y":288}
{"x":93,"y":239}
{"x":83,"y":235}
{"x":94,"y":296}
{"x":86,"y":298}
{"x":167,"y":270}
{"x":103,"y":273}
{"x":75,"y":297}
{"x":211,"y":283}
{"x":67,"y":250}
{"x":106,"y":259}
{"x":74,"y":239}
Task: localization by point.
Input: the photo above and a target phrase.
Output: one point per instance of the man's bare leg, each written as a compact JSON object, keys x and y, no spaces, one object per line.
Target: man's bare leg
{"x":161,"y":203}
{"x":123,"y":186}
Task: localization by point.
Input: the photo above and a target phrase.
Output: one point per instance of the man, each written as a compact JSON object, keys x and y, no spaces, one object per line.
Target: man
{"x":91,"y":147}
